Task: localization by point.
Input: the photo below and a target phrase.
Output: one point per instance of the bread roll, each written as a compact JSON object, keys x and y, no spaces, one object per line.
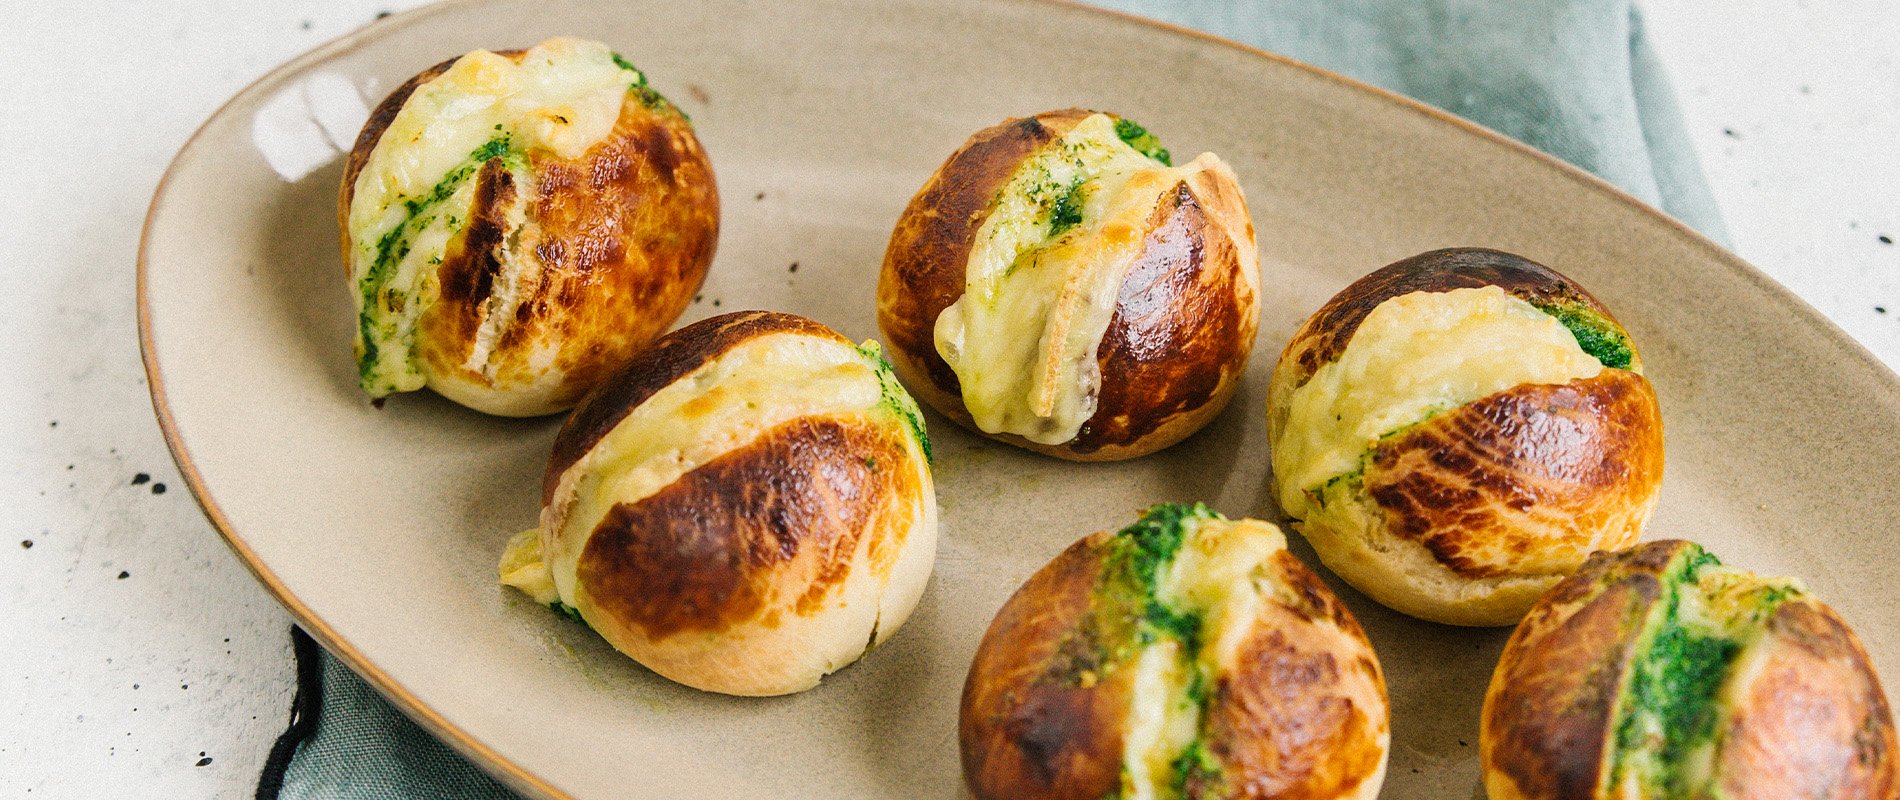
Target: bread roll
{"x":517,"y":224}
{"x":1458,"y":431}
{"x":744,"y":508}
{"x":1059,"y":286}
{"x":1657,"y":672}
{"x":1184,"y":656}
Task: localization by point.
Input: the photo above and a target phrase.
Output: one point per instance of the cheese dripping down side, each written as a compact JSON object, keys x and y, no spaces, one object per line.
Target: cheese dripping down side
{"x":415,"y":191}
{"x":1043,"y":276}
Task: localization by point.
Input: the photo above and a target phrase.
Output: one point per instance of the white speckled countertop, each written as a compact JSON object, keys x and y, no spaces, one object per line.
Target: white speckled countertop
{"x":139,"y":658}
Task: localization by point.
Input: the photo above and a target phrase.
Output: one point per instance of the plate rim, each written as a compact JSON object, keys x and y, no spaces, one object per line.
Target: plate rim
{"x":507,"y":770}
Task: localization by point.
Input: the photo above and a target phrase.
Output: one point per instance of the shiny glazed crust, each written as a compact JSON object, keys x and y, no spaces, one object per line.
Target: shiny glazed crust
{"x":775,"y":563}
{"x":1184,"y":322}
{"x":1298,"y":711}
{"x":1810,"y":721}
{"x":1470,"y":516}
{"x":622,"y":237}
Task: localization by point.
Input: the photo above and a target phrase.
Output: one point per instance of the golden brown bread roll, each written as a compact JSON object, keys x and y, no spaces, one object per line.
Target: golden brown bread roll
{"x":744,"y":508}
{"x":1057,"y":285}
{"x":1185,"y":656}
{"x":1458,"y":431}
{"x":517,"y":224}
{"x":1657,"y":672}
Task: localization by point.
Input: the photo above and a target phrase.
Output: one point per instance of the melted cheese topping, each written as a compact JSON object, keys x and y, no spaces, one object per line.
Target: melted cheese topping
{"x":725,"y":404}
{"x":1413,"y":357}
{"x":1220,"y":575}
{"x":1162,"y":721}
{"x":415,"y":190}
{"x":1042,"y":279}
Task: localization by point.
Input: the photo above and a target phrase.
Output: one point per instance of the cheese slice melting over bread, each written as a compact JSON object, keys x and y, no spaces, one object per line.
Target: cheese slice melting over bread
{"x":725,"y":404}
{"x":1411,"y":358}
{"x":416,"y":189}
{"x":1043,"y":276}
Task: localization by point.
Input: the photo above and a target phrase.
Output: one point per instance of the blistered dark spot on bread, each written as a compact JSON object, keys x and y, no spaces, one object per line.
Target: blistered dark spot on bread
{"x":1177,"y":332}
{"x":623,"y":246}
{"x":1326,"y":334}
{"x":770,"y":527}
{"x":671,"y":357}
{"x":1561,"y":675}
{"x":1284,"y":723}
{"x":929,"y":252}
{"x":473,"y":259}
{"x":1538,"y":467}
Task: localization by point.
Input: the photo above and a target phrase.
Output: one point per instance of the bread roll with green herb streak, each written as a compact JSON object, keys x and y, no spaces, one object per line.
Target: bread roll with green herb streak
{"x":1458,"y":431}
{"x":1185,"y":656}
{"x":516,"y":224}
{"x":1059,"y":285}
{"x":1657,"y":672}
{"x":744,"y":508}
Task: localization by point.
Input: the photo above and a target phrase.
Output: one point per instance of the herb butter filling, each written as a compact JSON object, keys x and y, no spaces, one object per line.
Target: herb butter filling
{"x":1044,"y":273}
{"x":416,"y":189}
{"x":1177,"y":596}
{"x":1413,"y":357}
{"x":1666,"y":730}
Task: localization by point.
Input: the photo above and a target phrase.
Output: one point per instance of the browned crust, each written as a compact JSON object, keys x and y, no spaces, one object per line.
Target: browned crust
{"x":619,"y":238}
{"x":671,"y":357}
{"x":1811,"y":723}
{"x":473,"y":260}
{"x":1547,"y":714}
{"x":1814,"y":722}
{"x":1183,"y":326}
{"x":1325,"y":334}
{"x":1031,"y":724}
{"x":766,"y":529}
{"x":1184,"y":321}
{"x":1530,"y":480}
{"x":1302,"y":712}
{"x":923,"y":270}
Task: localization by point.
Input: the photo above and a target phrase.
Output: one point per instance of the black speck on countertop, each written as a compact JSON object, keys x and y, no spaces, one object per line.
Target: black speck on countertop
{"x":305,"y":25}
{"x":1885,"y":239}
{"x":715,"y":302}
{"x":793,"y":267}
{"x":1730,"y":133}
{"x":140,"y":478}
{"x":759,"y":196}
{"x":158,"y":488}
{"x":123,"y":574}
{"x":1880,"y":309}
{"x":381,"y":14}
{"x":53,"y":424}
{"x":26,"y":544}
{"x":204,"y":762}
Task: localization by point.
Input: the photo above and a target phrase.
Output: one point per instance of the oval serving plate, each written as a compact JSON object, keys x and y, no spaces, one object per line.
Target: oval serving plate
{"x":380,"y":529}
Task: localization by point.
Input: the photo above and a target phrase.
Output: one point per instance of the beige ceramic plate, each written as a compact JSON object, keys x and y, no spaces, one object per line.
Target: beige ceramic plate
{"x":380,"y":529}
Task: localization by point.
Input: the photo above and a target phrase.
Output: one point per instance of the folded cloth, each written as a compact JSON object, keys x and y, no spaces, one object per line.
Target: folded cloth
{"x":1575,"y":78}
